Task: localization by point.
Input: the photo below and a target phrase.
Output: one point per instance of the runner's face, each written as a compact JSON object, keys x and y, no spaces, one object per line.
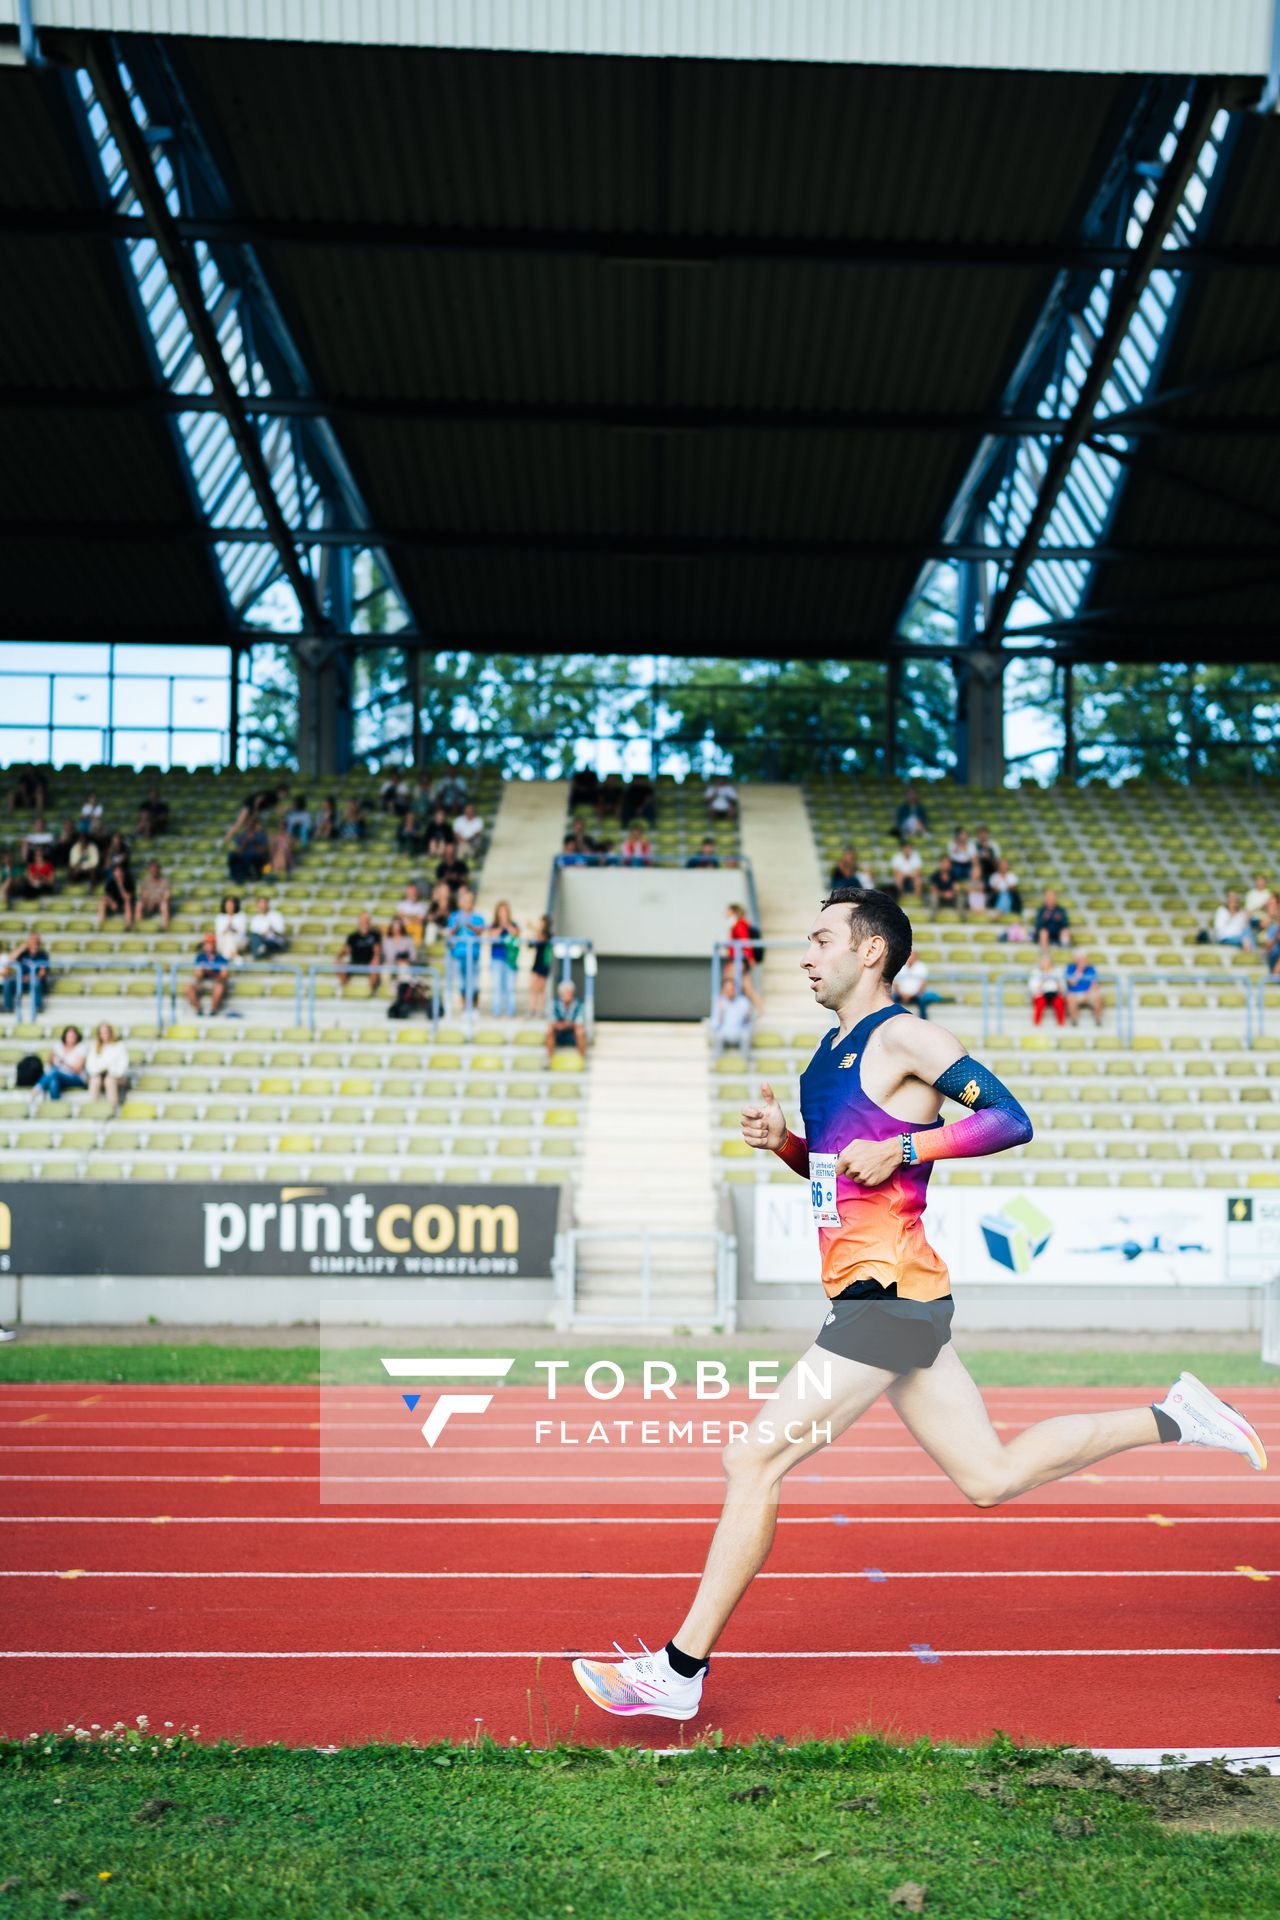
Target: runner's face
{"x":832,"y":963}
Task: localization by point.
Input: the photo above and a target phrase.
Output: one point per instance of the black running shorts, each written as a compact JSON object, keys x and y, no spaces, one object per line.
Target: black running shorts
{"x":897,"y":1334}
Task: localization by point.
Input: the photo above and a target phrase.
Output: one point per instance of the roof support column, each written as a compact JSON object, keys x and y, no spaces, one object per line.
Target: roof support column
{"x":1068,"y":723}
{"x":413,"y":690}
{"x":324,"y":708}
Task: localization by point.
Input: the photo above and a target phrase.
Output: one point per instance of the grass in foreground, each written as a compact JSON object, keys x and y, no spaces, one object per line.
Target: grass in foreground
{"x":125,"y":1825}
{"x":211,"y":1365}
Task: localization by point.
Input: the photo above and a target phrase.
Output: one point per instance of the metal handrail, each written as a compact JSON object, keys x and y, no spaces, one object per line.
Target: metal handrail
{"x":292,"y":970}
{"x":328,"y":969}
{"x":1206,"y":977}
{"x":567,"y":1274}
{"x":87,"y":963}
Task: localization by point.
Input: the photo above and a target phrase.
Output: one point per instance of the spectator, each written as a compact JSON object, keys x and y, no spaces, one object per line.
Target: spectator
{"x":721,"y":798}
{"x":38,"y":835}
{"x":11,"y":877}
{"x":572,"y":854}
{"x":249,"y":852}
{"x":454,"y":871}
{"x":742,"y":936}
{"x":398,"y":948}
{"x":413,"y":911}
{"x":911,"y":986}
{"x":849,"y":871}
{"x":66,"y":1069}
{"x":1044,"y":984}
{"x":986,"y":852}
{"x":153,"y":815}
{"x":231,"y":930}
{"x":463,"y":936}
{"x":60,"y":851}
{"x":395,"y":795}
{"x":543,"y":958}
{"x":907,"y":868}
{"x":212,"y":976}
{"x":29,"y":791}
{"x":25,"y":973}
{"x":504,"y":960}
{"x":468,"y":830}
{"x":440,"y":837}
{"x":327,"y":819}
{"x":282,"y":848}
{"x":155,"y":895}
{"x":1051,"y":926}
{"x":439,"y":910}
{"x":1083,"y":988}
{"x":107,"y":1065}
{"x":353,"y":822}
{"x":1231,"y":926}
{"x":268,"y":933}
{"x":731,"y":1021}
{"x":84,"y":859}
{"x":117,"y":894}
{"x":945,"y":890}
{"x":91,"y":815}
{"x":300,"y":820}
{"x":1255,"y":900}
{"x":39,"y":879}
{"x":639,"y":801}
{"x":411,"y":836}
{"x":362,"y":948}
{"x":566,"y":1027}
{"x":1269,"y":935}
{"x":706,"y":856}
{"x":450,"y":792}
{"x":636,"y":850}
{"x":975,"y":893}
{"x":910,"y":820}
{"x":266,"y":800}
{"x":579,"y":835}
{"x":1002,"y":888}
{"x":962,"y":855}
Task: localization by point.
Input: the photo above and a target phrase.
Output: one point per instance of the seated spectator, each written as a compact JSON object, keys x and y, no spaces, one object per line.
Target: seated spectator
{"x":1255,"y":900}
{"x":849,"y":871}
{"x":411,"y":833}
{"x":155,"y":895}
{"x":1051,"y":926}
{"x":118,"y":890}
{"x":1269,"y":935}
{"x":353,"y":822}
{"x":212,"y":976}
{"x":249,"y":852}
{"x":25,"y":974}
{"x":453,"y":870}
{"x":1002,"y":888}
{"x":300,"y":820}
{"x":28,"y":792}
{"x":636,"y":850}
{"x":398,"y":948}
{"x":439,"y":909}
{"x":572,"y":854}
{"x":907,"y":868}
{"x":413,"y":911}
{"x":975,"y":893}
{"x":266,"y":800}
{"x":39,"y":879}
{"x":107,"y":1066}
{"x":706,"y":856}
{"x":66,"y":1069}
{"x":11,"y":877}
{"x":282,"y":849}
{"x":84,"y":859}
{"x":463,"y":937}
{"x":153,"y":815}
{"x":439,"y":835}
{"x":1044,"y":983}
{"x":327,"y":819}
{"x":731,"y":1020}
{"x":1231,"y":926}
{"x":504,"y":960}
{"x":268,"y":933}
{"x":361,"y":948}
{"x":450,"y":792}
{"x":910,"y":820}
{"x":945,"y":890}
{"x":986,"y":853}
{"x":721,"y":798}
{"x":962,"y":855}
{"x":468,"y":830}
{"x":911,"y":987}
{"x":639,"y":801}
{"x":231,"y":930}
{"x":91,"y":815}
{"x":566,"y":1027}
{"x":540,"y":968}
{"x":36,"y":836}
{"x":60,"y":851}
{"x":395,"y":795}
{"x":1083,"y":988}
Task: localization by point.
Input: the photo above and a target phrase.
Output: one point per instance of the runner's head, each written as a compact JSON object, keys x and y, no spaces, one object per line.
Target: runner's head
{"x":858,"y":932}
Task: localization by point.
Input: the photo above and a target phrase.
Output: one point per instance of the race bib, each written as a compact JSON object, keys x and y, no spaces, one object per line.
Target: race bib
{"x":822,"y":1189}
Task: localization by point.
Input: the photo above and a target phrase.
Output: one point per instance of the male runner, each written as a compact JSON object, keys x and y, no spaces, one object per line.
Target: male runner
{"x":870,"y":1098}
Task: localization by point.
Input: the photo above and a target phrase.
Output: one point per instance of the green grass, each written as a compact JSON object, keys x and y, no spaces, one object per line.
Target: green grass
{"x":210,"y":1365}
{"x":218,"y":1833}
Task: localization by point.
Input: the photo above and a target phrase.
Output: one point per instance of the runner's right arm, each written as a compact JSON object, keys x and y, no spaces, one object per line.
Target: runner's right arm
{"x":765,"y":1127}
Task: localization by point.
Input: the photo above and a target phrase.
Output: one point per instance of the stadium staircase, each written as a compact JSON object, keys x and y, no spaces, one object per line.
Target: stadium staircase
{"x":777,"y":838}
{"x":526,"y":838}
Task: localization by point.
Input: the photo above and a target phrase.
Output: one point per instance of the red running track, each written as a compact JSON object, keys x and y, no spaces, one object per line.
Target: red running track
{"x":213,"y":1587}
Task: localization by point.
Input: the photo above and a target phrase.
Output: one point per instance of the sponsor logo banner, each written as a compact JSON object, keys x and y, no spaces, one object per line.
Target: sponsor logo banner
{"x":229,"y":1229}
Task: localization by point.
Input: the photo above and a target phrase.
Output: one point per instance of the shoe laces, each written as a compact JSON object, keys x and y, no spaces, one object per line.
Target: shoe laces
{"x":641,"y":1666}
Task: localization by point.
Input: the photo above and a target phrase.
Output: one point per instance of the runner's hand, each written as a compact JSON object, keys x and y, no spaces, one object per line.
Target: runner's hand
{"x":764,"y":1126}
{"x":870,"y":1162}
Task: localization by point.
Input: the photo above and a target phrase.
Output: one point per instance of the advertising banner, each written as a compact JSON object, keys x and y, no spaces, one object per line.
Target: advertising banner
{"x":1059,"y":1236}
{"x":233,"y":1229}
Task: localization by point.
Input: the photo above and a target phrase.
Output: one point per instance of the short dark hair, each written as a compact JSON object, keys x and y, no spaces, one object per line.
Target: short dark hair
{"x":872,"y":912}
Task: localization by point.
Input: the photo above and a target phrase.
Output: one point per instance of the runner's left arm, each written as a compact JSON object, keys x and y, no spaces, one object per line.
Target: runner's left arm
{"x":996,"y":1118}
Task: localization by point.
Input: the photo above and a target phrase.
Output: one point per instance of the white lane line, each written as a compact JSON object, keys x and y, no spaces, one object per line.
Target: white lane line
{"x":560,"y":1653}
{"x":965,"y":1519}
{"x":611,"y":1573}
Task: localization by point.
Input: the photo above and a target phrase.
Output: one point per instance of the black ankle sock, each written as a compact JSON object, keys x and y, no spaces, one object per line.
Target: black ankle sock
{"x":1166,"y":1425}
{"x":684,"y":1664}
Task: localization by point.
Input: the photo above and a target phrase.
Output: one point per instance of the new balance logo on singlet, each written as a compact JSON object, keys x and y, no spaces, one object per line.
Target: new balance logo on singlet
{"x":848,"y":1060}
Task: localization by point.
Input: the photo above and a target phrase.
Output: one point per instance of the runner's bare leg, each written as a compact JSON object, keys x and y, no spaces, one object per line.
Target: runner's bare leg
{"x":755,"y":1468}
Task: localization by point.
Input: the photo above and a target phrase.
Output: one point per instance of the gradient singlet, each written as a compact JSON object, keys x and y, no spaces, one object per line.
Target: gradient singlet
{"x":879,"y":1246}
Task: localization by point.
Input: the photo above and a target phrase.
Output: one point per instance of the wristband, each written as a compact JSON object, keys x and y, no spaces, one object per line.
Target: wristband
{"x":909,"y":1154}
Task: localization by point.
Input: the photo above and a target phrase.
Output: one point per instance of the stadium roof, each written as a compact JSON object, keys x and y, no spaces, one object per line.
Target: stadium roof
{"x":618,"y":354}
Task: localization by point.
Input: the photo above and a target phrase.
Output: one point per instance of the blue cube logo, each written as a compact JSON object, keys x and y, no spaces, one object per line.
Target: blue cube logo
{"x":1017,"y":1235}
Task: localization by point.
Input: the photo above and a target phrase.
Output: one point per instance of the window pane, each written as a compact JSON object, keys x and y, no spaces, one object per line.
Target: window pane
{"x":141,"y":703}
{"x":201,"y":704}
{"x":77,"y":747}
{"x":79,"y":701}
{"x":137,"y":747}
{"x":25,"y":700}
{"x":199,"y":750}
{"x":211,"y":663}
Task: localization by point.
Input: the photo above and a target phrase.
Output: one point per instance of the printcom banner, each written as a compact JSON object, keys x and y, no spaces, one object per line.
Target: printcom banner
{"x":1059,"y":1236}
{"x":392,"y":1232}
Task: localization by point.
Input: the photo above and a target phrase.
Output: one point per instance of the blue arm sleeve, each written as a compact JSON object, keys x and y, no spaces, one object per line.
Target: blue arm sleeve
{"x":997,"y":1119}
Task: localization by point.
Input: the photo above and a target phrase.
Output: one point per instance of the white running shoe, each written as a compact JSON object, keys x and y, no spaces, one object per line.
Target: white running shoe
{"x":640,"y":1683}
{"x":1205,"y":1421}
